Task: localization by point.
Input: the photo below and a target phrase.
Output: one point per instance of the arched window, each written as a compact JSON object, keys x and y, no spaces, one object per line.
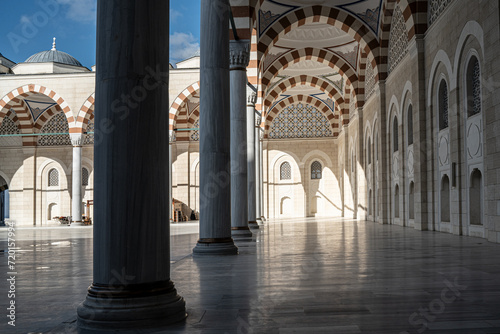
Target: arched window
{"x":369,"y":148}
{"x":395,"y":133}
{"x":443,"y":105}
{"x":410,"y":125}
{"x":476,"y":198}
{"x":285,"y":171}
{"x":316,"y":170}
{"x":85,"y":177}
{"x":445,"y":199}
{"x":396,"y":201}
{"x":473,"y":87}
{"x":53,"y":178}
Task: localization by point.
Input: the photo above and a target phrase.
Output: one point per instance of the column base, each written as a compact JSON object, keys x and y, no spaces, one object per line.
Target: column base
{"x":111,"y":308}
{"x":253,"y":225}
{"x":259,"y":221}
{"x":77,"y":223}
{"x":216,"y":246}
{"x":241,"y":233}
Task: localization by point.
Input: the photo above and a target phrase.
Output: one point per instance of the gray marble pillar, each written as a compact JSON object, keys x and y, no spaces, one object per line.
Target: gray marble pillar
{"x":215,"y":177}
{"x":76,"y":195}
{"x":252,"y":171}
{"x":258,"y":172}
{"x":131,"y":286}
{"x":239,"y":58}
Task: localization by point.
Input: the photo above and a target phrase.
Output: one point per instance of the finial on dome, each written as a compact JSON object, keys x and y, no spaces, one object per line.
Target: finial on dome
{"x":54,"y":45}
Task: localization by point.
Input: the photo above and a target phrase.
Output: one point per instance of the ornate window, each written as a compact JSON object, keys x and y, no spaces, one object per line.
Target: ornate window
{"x":436,"y":8}
{"x":316,"y":171}
{"x":410,"y":125}
{"x":300,"y":121}
{"x":57,"y":124}
{"x":369,"y":80}
{"x":85,"y":177}
{"x":285,"y":171}
{"x":473,"y":87}
{"x":9,"y":127}
{"x":395,"y":133}
{"x":195,"y":134}
{"x":53,"y":178}
{"x":443,"y":105}
{"x":398,"y":39}
{"x":89,"y":137}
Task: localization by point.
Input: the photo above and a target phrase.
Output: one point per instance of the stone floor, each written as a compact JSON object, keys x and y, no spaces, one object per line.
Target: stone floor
{"x":299,"y":276}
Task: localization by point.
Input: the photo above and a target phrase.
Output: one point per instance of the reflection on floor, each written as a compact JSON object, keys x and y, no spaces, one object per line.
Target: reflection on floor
{"x":299,"y":276}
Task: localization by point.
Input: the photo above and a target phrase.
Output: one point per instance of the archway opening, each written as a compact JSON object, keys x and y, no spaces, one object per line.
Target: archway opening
{"x":476,"y":198}
{"x":396,"y":201}
{"x":445,"y":199}
{"x":4,"y":201}
{"x":411,"y":201}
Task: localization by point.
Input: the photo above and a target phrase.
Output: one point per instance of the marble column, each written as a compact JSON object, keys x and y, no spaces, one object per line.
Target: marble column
{"x":258,"y":166}
{"x":76,"y":198}
{"x":252,"y":170}
{"x":131,"y":286}
{"x":239,"y":58}
{"x":215,"y":177}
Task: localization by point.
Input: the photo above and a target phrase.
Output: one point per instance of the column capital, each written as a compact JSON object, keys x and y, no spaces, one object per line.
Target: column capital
{"x":239,"y":54}
{"x":76,"y":139}
{"x":251,"y":98}
{"x":258,"y":120}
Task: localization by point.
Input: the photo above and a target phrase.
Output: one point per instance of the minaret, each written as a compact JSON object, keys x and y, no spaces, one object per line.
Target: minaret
{"x":54,"y":45}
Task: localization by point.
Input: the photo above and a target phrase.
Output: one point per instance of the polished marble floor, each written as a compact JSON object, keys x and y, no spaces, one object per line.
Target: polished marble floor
{"x":298,"y":276}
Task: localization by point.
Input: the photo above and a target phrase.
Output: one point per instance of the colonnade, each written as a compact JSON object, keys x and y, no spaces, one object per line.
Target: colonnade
{"x":131,"y":282}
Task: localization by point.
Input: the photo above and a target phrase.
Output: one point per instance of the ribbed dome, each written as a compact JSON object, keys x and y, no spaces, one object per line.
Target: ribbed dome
{"x":53,"y":56}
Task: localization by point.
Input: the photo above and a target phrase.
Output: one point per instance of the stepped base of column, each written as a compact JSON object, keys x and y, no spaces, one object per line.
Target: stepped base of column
{"x":218,"y":246}
{"x":136,"y":306}
{"x":254,"y":225}
{"x":77,"y":223}
{"x":241,"y":233}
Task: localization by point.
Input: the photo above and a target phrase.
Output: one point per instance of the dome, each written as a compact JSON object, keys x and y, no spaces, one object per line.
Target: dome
{"x":53,"y":56}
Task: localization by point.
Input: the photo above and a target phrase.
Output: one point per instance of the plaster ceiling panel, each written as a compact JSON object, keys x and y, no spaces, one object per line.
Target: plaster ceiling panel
{"x":317,"y":35}
{"x":348,"y":51}
{"x":367,"y":11}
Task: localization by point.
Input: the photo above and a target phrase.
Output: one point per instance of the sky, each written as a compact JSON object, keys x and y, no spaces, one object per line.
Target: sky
{"x":28,"y":26}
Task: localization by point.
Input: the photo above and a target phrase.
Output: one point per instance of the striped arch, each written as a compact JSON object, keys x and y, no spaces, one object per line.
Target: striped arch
{"x":85,"y":114}
{"x":320,"y":55}
{"x":26,"y":124}
{"x":304,"y":80}
{"x":332,"y":16}
{"x":12,"y":115}
{"x":311,"y":100}
{"x":178,"y":102}
{"x":242,"y":13}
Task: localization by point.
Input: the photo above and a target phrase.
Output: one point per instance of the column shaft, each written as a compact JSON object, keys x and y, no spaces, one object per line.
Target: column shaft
{"x":258,"y":166}
{"x":131,"y":284}
{"x":239,"y":58}
{"x":76,"y":198}
{"x":215,"y":178}
{"x":251,"y":159}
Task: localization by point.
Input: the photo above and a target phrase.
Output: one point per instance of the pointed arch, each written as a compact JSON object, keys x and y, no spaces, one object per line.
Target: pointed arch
{"x":333,"y":16}
{"x":84,"y":115}
{"x":320,"y":55}
{"x":179,"y":101}
{"x":304,"y":80}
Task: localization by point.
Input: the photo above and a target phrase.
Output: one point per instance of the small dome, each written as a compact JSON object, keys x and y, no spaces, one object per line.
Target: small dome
{"x":53,"y":56}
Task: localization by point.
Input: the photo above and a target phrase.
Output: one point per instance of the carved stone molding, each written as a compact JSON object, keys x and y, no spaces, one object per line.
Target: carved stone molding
{"x":239,"y":54}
